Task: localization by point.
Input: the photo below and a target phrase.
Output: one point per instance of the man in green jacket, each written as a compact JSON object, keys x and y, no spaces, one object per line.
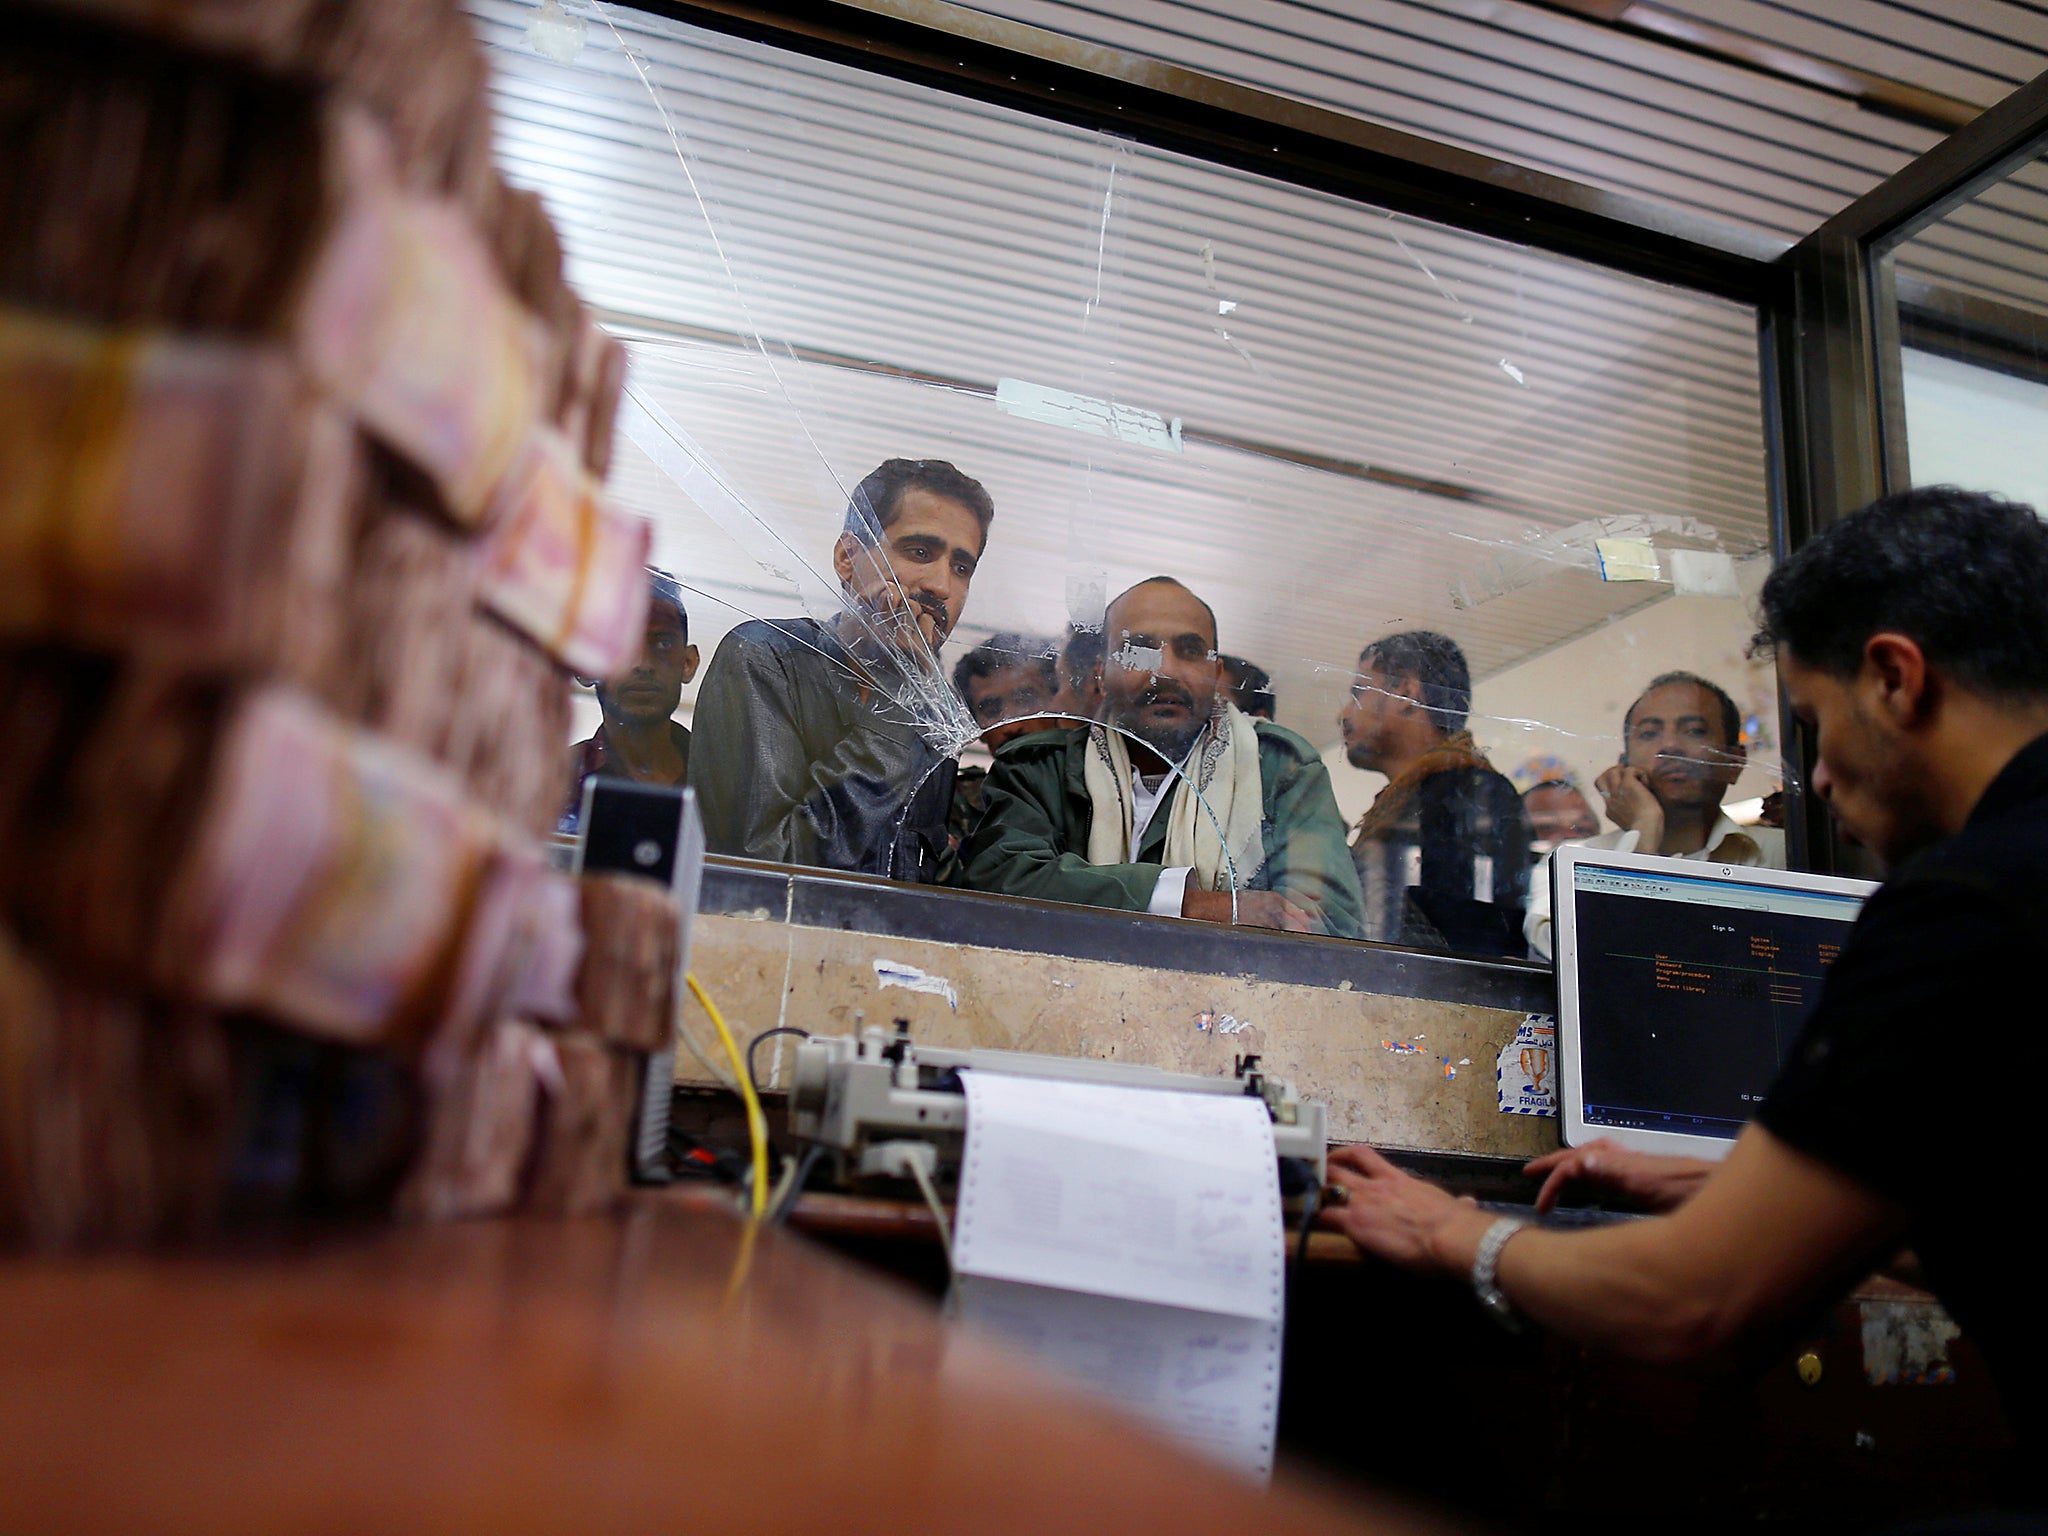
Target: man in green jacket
{"x":1181,"y":805}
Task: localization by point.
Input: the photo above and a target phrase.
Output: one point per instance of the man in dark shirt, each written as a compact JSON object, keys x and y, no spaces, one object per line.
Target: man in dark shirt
{"x":820,"y":743}
{"x":1443,"y":854}
{"x":1912,"y":640}
{"x":640,"y":738}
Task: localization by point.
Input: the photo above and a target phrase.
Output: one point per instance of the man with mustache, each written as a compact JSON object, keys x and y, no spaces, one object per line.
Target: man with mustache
{"x":1681,"y":750}
{"x":1187,"y":807}
{"x":641,"y":739}
{"x":808,"y":744}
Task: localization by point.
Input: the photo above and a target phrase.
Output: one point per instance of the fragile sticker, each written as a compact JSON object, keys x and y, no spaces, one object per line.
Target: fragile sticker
{"x":1525,"y":1072}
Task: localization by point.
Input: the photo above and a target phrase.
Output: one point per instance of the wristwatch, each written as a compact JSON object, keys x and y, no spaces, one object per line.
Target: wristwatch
{"x":1486,"y":1265}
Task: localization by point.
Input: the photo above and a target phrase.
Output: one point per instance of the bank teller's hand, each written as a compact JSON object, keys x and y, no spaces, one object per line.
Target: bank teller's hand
{"x":1400,"y":1218}
{"x":1658,"y":1183}
{"x":1631,"y":806}
{"x":1255,"y":909}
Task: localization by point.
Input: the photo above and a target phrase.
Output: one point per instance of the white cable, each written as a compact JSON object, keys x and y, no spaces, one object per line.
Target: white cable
{"x":931,"y":1198}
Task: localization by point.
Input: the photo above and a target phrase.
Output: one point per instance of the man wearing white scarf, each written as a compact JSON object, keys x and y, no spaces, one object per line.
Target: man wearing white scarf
{"x":1178,"y":803}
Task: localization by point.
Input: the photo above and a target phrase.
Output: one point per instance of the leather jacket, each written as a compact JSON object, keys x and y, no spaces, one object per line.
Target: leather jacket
{"x":802,"y":754}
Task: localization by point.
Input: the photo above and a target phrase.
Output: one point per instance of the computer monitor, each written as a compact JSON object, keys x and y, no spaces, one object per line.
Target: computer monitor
{"x":1681,"y":987}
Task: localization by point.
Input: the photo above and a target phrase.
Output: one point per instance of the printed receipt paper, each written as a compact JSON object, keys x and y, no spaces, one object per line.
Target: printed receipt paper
{"x":1131,"y":1240}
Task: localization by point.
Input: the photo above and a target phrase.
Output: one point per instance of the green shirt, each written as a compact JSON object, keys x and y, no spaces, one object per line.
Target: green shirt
{"x":1032,"y":838}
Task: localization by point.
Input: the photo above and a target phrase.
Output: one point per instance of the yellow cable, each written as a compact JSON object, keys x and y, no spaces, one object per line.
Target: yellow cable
{"x":757,"y":1123}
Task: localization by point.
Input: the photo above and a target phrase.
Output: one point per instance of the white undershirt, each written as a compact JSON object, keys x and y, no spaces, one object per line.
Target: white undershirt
{"x":1170,"y":890}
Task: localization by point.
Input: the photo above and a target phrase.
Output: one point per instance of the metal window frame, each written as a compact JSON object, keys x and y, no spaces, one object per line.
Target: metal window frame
{"x":1839,"y":401}
{"x":1828,"y":316}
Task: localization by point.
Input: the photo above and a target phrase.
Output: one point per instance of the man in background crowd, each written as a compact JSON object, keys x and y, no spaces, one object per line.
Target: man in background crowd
{"x":1912,"y":642}
{"x":1681,"y":752}
{"x":640,"y":738}
{"x":1443,"y":852}
{"x":1079,"y":670}
{"x":1250,"y":686}
{"x":1558,"y":812}
{"x":1199,"y":811}
{"x":808,"y":742}
{"x":1008,"y":684}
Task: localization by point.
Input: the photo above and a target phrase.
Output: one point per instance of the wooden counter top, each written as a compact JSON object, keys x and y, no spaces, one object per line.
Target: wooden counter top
{"x":646,"y":1371}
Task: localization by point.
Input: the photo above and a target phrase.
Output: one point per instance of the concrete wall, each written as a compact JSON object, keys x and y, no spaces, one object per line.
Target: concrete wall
{"x":1321,"y":1013}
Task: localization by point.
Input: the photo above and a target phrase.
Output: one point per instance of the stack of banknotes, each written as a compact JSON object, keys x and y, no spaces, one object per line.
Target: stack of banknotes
{"x":303,"y":524}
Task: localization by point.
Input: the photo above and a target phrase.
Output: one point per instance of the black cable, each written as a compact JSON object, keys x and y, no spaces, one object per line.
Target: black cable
{"x":804,"y":1166}
{"x":753,"y":1075}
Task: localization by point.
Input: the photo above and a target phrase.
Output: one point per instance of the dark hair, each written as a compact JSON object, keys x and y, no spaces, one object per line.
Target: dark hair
{"x":1964,"y":573}
{"x":1251,"y":685}
{"x":668,"y":590}
{"x":878,"y":498}
{"x":1731,"y":717}
{"x":999,"y":653}
{"x":1084,"y":649}
{"x":1433,"y":660}
{"x":1161,"y":581}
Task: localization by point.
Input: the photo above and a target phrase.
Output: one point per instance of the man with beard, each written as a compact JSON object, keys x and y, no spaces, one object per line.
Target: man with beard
{"x":808,"y":745}
{"x":1912,"y":643}
{"x":641,"y":739}
{"x":1179,"y":804}
{"x":1443,"y":852}
{"x":1681,"y":750}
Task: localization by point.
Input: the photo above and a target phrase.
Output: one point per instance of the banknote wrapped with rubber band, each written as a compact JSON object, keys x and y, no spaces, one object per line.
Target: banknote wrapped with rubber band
{"x":523,"y":953}
{"x":590,"y":402}
{"x":407,"y":320}
{"x":416,"y":63}
{"x":563,"y":565}
{"x":505,"y":735}
{"x":586,"y":1124}
{"x":117,"y":1117}
{"x":116,"y":768}
{"x":332,"y":882}
{"x":271,"y":34}
{"x":145,"y":186}
{"x":424,"y":664}
{"x":149,"y":186}
{"x":187,"y":499}
{"x":625,"y":990}
{"x":482,"y":1110}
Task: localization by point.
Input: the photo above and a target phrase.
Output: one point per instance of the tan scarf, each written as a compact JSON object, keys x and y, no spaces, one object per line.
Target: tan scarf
{"x":1390,"y":806}
{"x":1218,"y":802}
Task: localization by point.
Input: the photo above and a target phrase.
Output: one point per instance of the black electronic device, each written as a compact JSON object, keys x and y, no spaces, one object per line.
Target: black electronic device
{"x":652,"y":831}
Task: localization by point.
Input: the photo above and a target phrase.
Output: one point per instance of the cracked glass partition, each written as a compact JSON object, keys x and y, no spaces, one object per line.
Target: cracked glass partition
{"x":1055,"y":516}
